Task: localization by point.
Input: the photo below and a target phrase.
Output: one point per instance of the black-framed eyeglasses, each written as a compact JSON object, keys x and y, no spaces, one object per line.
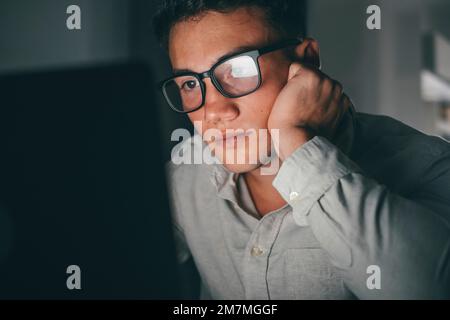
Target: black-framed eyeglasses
{"x":234,"y":77}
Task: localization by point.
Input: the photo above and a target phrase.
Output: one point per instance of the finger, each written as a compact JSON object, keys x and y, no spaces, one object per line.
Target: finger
{"x":338,"y":89}
{"x":344,"y":107}
{"x":351,"y":106}
{"x":314,"y":80}
{"x":334,"y":91}
{"x":340,"y":107}
{"x":346,"y":102}
{"x":336,"y":114}
{"x":294,"y":70}
{"x":297,"y":68}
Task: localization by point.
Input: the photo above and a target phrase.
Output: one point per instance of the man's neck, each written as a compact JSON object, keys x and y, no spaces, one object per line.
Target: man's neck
{"x":265,"y":197}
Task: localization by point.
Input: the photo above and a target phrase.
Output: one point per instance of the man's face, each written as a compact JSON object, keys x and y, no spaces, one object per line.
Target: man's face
{"x":197,"y":45}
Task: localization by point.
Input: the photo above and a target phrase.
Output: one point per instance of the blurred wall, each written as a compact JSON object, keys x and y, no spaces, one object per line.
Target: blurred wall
{"x":380,"y":69}
{"x":33,"y":34}
{"x":436,"y":16}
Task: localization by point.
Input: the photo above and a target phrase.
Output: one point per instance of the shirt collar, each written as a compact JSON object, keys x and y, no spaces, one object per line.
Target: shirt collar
{"x":225,"y":183}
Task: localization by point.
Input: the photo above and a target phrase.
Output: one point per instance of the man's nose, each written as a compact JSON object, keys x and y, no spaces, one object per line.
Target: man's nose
{"x":218,"y":107}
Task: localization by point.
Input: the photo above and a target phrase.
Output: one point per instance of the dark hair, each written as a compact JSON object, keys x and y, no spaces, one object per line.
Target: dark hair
{"x":285,"y":16}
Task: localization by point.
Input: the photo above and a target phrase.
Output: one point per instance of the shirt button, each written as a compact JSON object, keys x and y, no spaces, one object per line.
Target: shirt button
{"x":257,"y":251}
{"x":293,"y":195}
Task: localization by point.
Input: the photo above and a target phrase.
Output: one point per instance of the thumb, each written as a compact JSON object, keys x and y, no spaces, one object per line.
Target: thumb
{"x":294,"y":70}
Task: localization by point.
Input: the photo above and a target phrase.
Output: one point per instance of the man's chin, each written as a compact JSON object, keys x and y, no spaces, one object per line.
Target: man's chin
{"x":241,"y":168}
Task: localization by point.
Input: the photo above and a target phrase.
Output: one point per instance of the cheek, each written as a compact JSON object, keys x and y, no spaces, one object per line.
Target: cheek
{"x":275,"y":75}
{"x":261,"y":102}
{"x":196,"y":119}
{"x":274,"y":79}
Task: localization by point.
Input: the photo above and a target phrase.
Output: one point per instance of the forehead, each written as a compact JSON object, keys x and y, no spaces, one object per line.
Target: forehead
{"x":197,"y":43}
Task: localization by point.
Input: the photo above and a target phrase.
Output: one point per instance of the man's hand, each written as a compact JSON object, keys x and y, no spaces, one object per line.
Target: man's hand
{"x":310,"y":104}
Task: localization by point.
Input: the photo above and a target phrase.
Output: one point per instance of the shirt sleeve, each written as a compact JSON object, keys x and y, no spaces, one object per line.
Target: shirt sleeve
{"x":361,"y":223}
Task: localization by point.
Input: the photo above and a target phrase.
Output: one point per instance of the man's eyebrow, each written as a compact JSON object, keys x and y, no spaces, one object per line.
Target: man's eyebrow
{"x":231,"y":53}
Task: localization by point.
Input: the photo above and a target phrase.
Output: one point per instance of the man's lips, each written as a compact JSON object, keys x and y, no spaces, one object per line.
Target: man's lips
{"x":230,"y":136}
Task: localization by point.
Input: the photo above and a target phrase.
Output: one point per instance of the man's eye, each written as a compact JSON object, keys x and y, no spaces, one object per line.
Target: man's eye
{"x":189,"y":85}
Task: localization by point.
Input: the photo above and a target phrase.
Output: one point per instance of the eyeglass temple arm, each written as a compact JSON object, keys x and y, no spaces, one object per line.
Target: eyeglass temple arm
{"x":281,"y":45}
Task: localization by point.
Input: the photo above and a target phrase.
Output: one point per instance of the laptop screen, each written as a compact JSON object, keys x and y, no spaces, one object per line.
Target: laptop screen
{"x":83,"y":203}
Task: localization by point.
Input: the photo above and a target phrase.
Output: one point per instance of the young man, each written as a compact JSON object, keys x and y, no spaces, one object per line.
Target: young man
{"x":360,"y":207}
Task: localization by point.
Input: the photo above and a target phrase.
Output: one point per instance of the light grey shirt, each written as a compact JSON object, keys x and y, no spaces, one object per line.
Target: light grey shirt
{"x":379,"y":198}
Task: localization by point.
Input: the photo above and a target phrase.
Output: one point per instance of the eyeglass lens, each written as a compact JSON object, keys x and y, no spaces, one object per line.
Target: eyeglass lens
{"x":236,"y":77}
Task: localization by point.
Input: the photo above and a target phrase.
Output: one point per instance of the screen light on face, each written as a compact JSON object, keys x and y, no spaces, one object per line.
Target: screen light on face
{"x":243,"y":67}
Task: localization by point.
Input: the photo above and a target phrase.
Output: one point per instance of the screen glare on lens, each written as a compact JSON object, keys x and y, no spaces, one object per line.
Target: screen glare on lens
{"x":238,"y":76}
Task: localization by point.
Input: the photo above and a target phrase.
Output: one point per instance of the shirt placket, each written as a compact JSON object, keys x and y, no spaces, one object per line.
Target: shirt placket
{"x":257,"y":254}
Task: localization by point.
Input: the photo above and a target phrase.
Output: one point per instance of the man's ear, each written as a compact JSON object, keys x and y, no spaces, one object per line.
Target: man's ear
{"x":308,"y":52}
